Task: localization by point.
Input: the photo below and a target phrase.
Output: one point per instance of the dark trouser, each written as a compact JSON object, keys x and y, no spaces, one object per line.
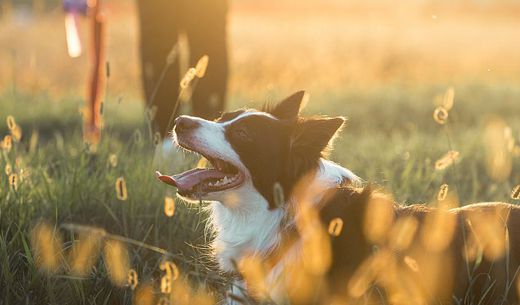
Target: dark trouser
{"x":204,"y":22}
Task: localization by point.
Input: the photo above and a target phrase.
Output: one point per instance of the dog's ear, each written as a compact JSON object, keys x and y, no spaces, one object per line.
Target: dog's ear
{"x":290,"y":107}
{"x":312,"y":137}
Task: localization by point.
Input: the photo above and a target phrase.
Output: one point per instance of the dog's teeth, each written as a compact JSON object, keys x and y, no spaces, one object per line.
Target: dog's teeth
{"x":225,"y":180}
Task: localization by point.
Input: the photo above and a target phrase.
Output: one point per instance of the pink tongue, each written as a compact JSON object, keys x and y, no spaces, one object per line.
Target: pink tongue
{"x":187,"y":180}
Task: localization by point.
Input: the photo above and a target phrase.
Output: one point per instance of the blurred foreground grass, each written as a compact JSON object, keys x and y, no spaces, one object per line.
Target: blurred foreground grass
{"x":390,"y":139}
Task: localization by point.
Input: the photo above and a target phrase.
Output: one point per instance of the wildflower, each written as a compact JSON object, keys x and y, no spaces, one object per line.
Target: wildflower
{"x":121,"y":189}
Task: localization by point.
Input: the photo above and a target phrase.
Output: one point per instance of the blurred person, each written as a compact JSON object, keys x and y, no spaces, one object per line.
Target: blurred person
{"x":204,"y":23}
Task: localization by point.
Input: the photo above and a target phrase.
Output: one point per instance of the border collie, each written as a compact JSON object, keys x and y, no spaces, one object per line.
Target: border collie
{"x":260,"y":157}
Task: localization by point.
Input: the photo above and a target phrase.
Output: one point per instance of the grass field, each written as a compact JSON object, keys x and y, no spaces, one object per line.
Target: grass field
{"x":383,"y":73}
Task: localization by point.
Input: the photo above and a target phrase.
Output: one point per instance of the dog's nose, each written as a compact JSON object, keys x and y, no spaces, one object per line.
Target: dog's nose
{"x":184,"y":123}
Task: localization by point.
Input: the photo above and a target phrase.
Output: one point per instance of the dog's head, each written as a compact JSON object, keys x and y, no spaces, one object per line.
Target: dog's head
{"x":250,"y":151}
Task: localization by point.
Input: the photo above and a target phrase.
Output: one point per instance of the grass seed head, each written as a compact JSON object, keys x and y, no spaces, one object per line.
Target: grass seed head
{"x":144,"y":295}
{"x":169,"y":206}
{"x":121,"y":191}
{"x":11,"y":123}
{"x":157,"y":138}
{"x":33,"y":142}
{"x":46,"y":247}
{"x":403,"y":233}
{"x":443,"y":192}
{"x":7,"y":143}
{"x":439,"y":226}
{"x":8,"y":169}
{"x":447,"y":160}
{"x":336,"y":226}
{"x":201,"y":66}
{"x":188,"y":77}
{"x":13,"y":181}
{"x":440,"y":115}
{"x":112,"y":159}
{"x":411,"y":263}
{"x":172,"y":55}
{"x":116,"y":261}
{"x":379,"y":216}
{"x":496,"y":140}
{"x":85,"y":253}
{"x":448,"y":99}
{"x":138,"y":138}
{"x":171,"y":274}
{"x":132,"y":279}
{"x":515,"y":194}
{"x":16,"y":132}
{"x":254,"y":273}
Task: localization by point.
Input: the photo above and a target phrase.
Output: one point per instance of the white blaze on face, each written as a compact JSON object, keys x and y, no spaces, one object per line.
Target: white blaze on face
{"x":209,"y":138}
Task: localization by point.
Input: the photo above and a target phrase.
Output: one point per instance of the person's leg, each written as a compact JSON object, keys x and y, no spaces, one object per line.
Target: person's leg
{"x":205,"y":25}
{"x":159,"y":28}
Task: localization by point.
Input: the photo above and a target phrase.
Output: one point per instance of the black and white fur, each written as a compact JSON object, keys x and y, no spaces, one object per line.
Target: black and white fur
{"x":264,"y":147}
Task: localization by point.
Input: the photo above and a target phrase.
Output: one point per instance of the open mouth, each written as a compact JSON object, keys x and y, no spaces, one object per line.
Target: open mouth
{"x":220,"y":175}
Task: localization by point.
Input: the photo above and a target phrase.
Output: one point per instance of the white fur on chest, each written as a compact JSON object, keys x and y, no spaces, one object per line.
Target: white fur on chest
{"x":249,"y":227}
